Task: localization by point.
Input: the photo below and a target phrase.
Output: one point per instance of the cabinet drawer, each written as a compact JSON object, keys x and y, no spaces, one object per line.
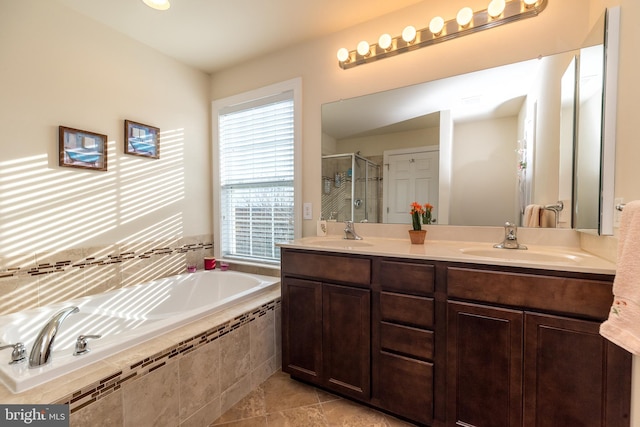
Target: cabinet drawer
{"x":408,"y":277}
{"x":569,"y":295}
{"x":406,"y":340}
{"x":333,"y":268}
{"x":406,"y":309}
{"x":406,"y":387}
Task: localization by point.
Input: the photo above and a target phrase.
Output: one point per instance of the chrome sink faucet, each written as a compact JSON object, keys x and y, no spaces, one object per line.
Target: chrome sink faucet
{"x":510,"y":238}
{"x":41,"y":350}
{"x":350,"y":231}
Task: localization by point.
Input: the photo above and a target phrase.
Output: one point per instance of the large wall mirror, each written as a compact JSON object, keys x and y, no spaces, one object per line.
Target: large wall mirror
{"x":483,"y":148}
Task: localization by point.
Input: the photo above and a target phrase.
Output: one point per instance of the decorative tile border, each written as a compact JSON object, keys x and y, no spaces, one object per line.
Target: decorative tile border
{"x":66,"y":265}
{"x":102,"y":388}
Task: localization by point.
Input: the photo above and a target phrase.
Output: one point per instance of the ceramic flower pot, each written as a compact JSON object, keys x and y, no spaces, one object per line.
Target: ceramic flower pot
{"x":417,"y":236}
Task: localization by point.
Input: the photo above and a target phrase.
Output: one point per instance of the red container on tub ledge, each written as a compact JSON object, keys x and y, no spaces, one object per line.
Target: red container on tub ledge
{"x":209,"y":263}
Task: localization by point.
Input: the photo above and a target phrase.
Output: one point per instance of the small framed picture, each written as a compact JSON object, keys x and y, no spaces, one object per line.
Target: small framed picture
{"x":82,"y":149}
{"x":141,"y":140}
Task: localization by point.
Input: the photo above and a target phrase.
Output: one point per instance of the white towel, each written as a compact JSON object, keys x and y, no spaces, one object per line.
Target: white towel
{"x":532,"y":216}
{"x":623,"y":325}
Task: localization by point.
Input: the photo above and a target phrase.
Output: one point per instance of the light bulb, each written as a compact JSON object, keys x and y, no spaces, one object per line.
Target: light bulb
{"x":464,"y":16}
{"x":343,"y":55}
{"x":530,"y":3}
{"x":409,"y":34}
{"x":157,"y":4}
{"x":363,"y":48}
{"x":436,"y":25}
{"x":385,"y":42}
{"x":496,"y":7}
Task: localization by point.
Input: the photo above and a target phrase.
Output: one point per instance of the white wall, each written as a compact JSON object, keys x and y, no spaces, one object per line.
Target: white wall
{"x":376,"y":145}
{"x":324,"y":81}
{"x":484,"y":172}
{"x":59,"y":68}
{"x":561,"y":27}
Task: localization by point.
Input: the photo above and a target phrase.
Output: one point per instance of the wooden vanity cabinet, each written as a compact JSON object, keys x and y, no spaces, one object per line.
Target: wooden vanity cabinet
{"x":523,"y":349}
{"x":326,"y":321}
{"x":403,"y":338}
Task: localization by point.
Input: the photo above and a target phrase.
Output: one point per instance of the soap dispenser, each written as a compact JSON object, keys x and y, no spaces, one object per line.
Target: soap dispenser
{"x":321,"y":227}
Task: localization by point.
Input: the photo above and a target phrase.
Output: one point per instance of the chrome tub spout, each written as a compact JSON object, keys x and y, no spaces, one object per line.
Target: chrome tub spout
{"x":41,"y":350}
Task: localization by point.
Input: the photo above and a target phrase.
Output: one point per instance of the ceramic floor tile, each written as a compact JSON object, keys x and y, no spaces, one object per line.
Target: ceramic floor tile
{"x":308,"y":416}
{"x":282,"y":393}
{"x":283,"y":402}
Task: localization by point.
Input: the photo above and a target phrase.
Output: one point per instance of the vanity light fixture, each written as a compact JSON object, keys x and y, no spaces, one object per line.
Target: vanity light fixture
{"x":363,"y":48}
{"x":409,"y":34}
{"x":385,"y":41}
{"x":464,"y":17}
{"x":436,"y":25}
{"x":158,"y":4}
{"x":495,"y":8}
{"x":467,"y":21}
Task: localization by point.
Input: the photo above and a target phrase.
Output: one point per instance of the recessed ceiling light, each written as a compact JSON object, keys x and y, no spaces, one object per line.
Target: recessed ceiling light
{"x":158,"y":4}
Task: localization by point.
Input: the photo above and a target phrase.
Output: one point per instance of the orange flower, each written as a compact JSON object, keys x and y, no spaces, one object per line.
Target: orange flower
{"x":416,"y":208}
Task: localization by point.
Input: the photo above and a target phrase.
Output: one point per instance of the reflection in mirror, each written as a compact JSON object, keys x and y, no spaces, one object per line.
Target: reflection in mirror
{"x":495,"y":132}
{"x":503,"y":138}
{"x":595,"y":127}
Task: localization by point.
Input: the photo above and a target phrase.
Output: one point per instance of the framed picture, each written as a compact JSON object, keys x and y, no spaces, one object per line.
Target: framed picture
{"x":141,"y":140}
{"x":82,"y":149}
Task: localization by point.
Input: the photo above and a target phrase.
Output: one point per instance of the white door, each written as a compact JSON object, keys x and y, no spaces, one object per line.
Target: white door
{"x":409,"y":177}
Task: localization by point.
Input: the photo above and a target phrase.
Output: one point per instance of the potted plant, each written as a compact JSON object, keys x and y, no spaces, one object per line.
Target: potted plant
{"x":419,"y":215}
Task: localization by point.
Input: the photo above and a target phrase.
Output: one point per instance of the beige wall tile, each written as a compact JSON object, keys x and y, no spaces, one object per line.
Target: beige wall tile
{"x":235,"y":393}
{"x":235,"y":357}
{"x":153,"y":400}
{"x":263,"y":339}
{"x":106,"y":412}
{"x":204,"y":416}
{"x":18,"y":293}
{"x":199,"y":379}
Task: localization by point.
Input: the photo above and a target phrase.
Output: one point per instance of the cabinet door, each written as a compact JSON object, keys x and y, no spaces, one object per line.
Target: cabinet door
{"x":302,"y":328}
{"x":406,"y":386}
{"x":346,"y":340}
{"x":573,"y":375}
{"x":484,"y":366}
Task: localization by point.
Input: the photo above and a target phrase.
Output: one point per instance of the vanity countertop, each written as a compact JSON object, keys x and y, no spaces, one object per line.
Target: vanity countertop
{"x":536,"y":256}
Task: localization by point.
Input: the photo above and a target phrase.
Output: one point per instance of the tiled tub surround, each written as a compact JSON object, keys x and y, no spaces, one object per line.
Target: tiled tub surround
{"x":123,"y":318}
{"x":43,"y":278}
{"x":188,"y":376}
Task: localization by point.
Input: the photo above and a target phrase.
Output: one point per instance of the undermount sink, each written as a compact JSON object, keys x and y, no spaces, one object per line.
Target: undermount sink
{"x":341,"y":244}
{"x":520,"y":255}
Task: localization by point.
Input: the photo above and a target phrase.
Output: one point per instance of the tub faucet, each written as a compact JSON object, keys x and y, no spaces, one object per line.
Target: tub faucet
{"x":510,"y":238}
{"x":350,"y":231}
{"x":41,"y":350}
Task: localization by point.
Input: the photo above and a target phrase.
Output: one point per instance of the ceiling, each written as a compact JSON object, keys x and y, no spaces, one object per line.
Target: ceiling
{"x":214,"y":34}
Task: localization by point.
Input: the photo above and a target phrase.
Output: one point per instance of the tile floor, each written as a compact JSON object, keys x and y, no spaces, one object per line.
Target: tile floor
{"x":281,"y":401}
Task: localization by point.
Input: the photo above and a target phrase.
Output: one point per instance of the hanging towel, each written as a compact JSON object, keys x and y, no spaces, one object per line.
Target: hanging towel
{"x":623,"y":325}
{"x":532,"y":216}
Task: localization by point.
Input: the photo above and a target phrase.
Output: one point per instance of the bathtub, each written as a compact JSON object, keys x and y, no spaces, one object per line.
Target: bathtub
{"x":124,"y":318}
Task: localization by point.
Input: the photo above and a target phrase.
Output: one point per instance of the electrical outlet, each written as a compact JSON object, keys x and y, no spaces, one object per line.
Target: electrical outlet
{"x":307,"y":210}
{"x":617,"y":213}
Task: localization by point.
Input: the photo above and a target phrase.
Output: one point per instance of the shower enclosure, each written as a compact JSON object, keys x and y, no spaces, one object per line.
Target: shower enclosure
{"x":350,"y":188}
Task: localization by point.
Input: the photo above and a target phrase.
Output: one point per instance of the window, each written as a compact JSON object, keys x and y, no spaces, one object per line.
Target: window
{"x":256,"y":200}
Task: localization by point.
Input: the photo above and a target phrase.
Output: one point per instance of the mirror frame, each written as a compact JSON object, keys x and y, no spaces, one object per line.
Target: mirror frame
{"x":610,"y":102}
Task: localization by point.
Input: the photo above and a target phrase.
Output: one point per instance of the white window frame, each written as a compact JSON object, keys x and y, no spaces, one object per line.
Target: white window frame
{"x":219,"y":105}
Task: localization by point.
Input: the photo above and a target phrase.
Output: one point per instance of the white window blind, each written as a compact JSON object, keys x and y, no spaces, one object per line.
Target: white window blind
{"x":257,"y":177}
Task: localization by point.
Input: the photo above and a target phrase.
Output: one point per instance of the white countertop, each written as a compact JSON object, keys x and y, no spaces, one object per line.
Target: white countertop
{"x":560,"y":258}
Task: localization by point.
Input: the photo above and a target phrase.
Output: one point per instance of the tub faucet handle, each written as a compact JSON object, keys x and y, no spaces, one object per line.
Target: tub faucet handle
{"x":82,"y":346}
{"x":19,"y":353}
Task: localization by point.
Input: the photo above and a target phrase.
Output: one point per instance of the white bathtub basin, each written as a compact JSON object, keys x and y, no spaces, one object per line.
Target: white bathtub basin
{"x":124,"y":318}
